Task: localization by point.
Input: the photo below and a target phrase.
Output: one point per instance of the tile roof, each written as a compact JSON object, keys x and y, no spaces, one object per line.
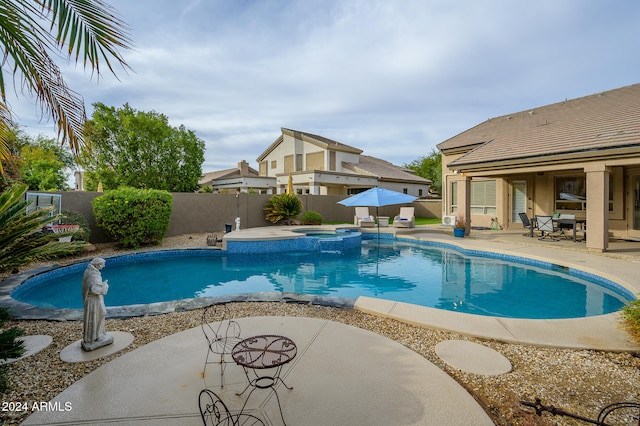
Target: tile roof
{"x":321,"y":140}
{"x":308,"y":137}
{"x":597,"y":122}
{"x":226,"y":174}
{"x":383,"y":170}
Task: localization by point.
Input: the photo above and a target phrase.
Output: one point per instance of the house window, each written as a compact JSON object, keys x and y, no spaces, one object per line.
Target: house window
{"x":405,"y":191}
{"x":571,"y":193}
{"x":315,"y":161}
{"x":483,"y":197}
{"x":274,"y":164}
{"x":288,"y":164}
{"x":419,"y":192}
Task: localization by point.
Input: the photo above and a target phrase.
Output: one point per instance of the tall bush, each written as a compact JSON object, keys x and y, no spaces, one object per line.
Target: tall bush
{"x":134,"y":217}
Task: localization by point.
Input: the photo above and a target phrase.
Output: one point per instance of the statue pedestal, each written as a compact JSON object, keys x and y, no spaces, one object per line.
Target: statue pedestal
{"x":104,"y":340}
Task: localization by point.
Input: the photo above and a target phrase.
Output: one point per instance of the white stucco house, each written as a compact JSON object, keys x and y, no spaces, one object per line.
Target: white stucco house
{"x":239,"y":179}
{"x":321,"y":166}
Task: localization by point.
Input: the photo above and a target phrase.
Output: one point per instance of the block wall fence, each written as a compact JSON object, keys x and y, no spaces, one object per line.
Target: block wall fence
{"x":195,"y":213}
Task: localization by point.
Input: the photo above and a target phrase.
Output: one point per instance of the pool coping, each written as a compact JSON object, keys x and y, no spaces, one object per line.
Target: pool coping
{"x":601,"y":332}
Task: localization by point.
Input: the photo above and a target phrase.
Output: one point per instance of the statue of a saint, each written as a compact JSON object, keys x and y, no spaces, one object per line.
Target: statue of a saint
{"x":93,"y":291}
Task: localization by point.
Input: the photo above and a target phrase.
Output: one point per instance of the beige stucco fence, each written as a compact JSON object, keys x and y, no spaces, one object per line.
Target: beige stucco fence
{"x":204,"y":213}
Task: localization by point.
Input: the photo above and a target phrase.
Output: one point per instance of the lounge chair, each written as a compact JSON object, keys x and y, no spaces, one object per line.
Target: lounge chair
{"x":363,"y":218}
{"x":222,"y":334}
{"x":405,"y":219}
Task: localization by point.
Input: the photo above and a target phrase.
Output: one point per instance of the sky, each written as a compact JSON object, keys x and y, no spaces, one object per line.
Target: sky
{"x":392,"y":78}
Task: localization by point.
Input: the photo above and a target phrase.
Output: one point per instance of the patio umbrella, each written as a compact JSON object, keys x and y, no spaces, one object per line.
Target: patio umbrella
{"x":290,"y":184}
{"x":377,"y":197}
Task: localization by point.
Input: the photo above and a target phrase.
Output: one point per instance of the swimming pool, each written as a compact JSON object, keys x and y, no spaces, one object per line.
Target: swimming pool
{"x":404,"y":271}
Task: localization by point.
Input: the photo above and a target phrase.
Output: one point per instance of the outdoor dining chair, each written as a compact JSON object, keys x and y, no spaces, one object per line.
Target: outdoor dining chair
{"x":222,"y":334}
{"x":214,"y":412}
{"x":563,"y":227}
{"x":544,"y":224}
{"x":527,"y":224}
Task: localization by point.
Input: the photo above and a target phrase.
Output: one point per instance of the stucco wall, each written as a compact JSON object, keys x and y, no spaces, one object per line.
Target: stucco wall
{"x":200,"y":213}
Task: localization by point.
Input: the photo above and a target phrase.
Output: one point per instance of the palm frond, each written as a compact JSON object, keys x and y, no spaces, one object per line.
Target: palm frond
{"x":90,"y":29}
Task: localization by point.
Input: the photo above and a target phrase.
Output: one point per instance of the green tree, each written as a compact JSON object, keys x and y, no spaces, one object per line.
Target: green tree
{"x":32,"y":33}
{"x":429,"y":167}
{"x":40,"y":162}
{"x":15,"y":140}
{"x":141,"y":150}
{"x":43,"y":165}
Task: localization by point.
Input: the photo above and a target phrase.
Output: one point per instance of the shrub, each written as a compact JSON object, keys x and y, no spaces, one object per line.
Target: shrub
{"x":283,"y":207}
{"x":311,"y":218}
{"x":9,"y":348}
{"x":69,"y":217}
{"x":632,"y":319}
{"x":21,"y":238}
{"x":133,"y":217}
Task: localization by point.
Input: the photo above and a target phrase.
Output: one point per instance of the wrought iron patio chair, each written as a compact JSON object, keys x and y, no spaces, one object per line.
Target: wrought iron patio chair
{"x":527,"y":224}
{"x":214,"y":412}
{"x":631,"y":407}
{"x":544,"y":224}
{"x":222,"y":334}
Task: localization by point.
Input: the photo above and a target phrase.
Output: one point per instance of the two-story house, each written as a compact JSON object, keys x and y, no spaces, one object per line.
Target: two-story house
{"x":321,"y":166}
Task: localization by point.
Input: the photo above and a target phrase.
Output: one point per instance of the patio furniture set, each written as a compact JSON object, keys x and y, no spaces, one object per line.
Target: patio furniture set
{"x":405,"y":219}
{"x":261,"y":357}
{"x":554,"y":227}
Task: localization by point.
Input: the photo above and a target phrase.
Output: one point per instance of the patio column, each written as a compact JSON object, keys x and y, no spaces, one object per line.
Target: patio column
{"x":597,"y":207}
{"x":464,"y":201}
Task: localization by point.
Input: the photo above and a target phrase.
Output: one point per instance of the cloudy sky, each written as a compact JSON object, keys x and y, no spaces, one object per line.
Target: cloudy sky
{"x":391,"y":77}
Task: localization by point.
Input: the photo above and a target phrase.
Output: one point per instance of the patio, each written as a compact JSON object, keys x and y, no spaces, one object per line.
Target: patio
{"x":342,"y":375}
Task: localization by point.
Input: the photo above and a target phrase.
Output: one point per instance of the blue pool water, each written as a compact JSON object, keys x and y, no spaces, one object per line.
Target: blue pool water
{"x":395,"y":270}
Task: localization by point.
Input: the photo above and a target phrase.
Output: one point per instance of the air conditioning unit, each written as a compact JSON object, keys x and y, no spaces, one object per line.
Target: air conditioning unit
{"x":449,"y":220}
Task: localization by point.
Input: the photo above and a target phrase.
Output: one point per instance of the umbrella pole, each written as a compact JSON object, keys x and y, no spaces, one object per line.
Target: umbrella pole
{"x":378,"y":222}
